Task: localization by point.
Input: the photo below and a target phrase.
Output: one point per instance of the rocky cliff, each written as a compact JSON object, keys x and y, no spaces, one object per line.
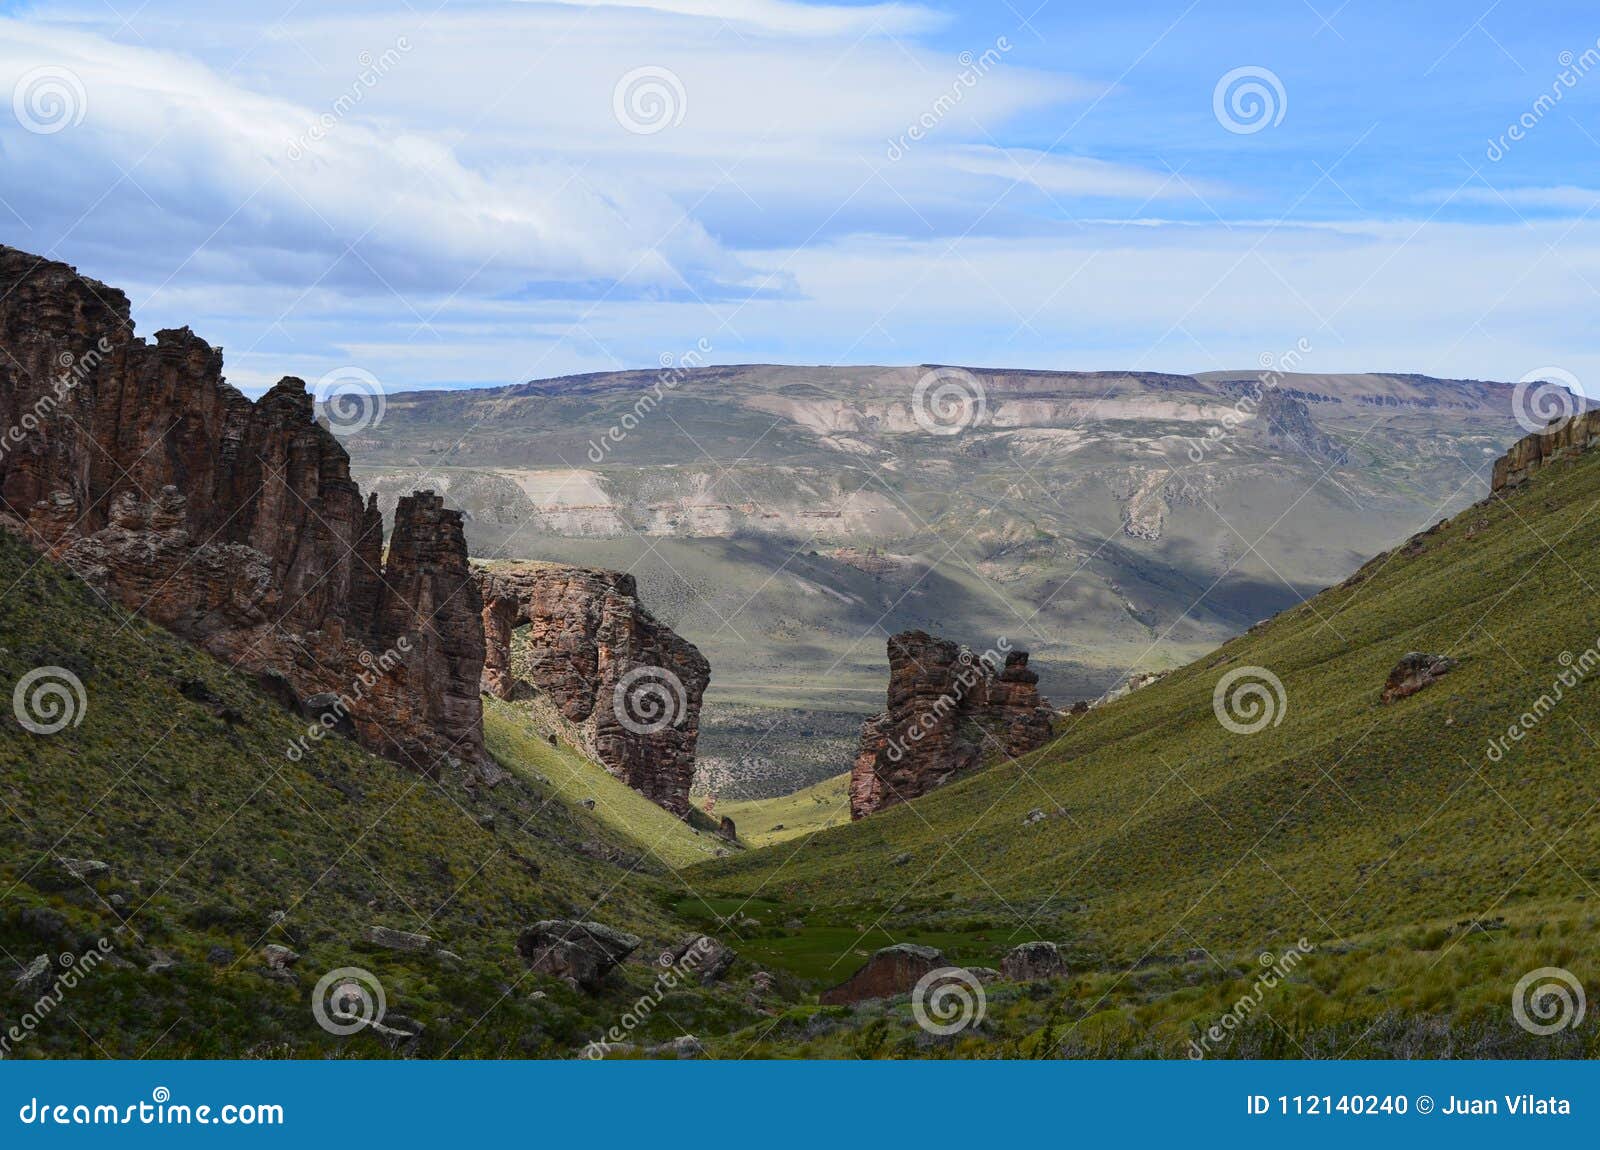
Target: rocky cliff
{"x":947,"y":710}
{"x":627,"y":687}
{"x":1530,"y":453}
{"x":235,"y":524}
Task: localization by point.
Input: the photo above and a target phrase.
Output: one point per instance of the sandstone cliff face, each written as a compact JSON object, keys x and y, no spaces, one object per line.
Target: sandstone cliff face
{"x":947,"y":710}
{"x":1529,"y":454}
{"x":235,"y":524}
{"x":628,"y":687}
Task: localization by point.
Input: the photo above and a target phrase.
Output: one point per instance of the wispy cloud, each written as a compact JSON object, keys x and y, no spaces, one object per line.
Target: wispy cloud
{"x":1078,"y":175}
{"x":783,"y":17}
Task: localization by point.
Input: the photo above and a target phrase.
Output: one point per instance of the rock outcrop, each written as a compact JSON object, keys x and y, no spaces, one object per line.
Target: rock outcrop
{"x":1415,"y":671}
{"x":1033,"y":961}
{"x":947,"y":709}
{"x":890,"y":971}
{"x":627,"y":687}
{"x":582,"y":953}
{"x":1284,"y":421}
{"x":1530,"y":453}
{"x":233,"y":523}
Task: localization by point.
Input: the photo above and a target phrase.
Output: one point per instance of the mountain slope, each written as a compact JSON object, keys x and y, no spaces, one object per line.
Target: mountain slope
{"x":1392,"y":836}
{"x":217,"y":844}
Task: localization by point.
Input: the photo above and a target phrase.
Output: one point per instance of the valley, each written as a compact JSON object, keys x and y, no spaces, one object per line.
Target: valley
{"x":787,"y":520}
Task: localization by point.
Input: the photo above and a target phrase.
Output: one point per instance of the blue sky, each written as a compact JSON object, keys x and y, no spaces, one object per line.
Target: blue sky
{"x":493,"y":207}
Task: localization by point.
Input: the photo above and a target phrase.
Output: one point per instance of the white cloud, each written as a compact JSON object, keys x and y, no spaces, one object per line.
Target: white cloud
{"x":780,"y":16}
{"x":1563,"y":198}
{"x":168,"y":145}
{"x":1078,"y":176}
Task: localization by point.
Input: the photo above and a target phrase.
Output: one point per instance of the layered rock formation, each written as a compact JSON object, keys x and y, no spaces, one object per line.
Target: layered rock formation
{"x":627,"y":687}
{"x":235,"y":524}
{"x":1284,"y":421}
{"x":947,"y":709}
{"x":1526,"y":456}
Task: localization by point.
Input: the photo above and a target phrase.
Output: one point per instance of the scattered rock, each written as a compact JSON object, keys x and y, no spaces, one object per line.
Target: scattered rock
{"x":397,"y":1030}
{"x":891,"y":971}
{"x":1413,"y":672}
{"x":1034,"y":816}
{"x":582,"y":953}
{"x":36,"y":977}
{"x":399,"y":940}
{"x":1033,"y":961}
{"x":704,"y":958}
{"x":985,"y":974}
{"x":278,"y":957}
{"x":684,"y":1046}
{"x":586,"y":804}
{"x":198,"y":691}
{"x":727,"y":830}
{"x":900,"y":859}
{"x":162,"y":963}
{"x":86,"y":870}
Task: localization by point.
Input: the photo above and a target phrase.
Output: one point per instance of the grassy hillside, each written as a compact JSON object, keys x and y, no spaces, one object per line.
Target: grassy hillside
{"x":217,"y":845}
{"x":765,"y":822}
{"x":1419,"y":864}
{"x":517,"y":737}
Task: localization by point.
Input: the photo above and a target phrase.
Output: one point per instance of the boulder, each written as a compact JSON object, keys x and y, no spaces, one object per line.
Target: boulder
{"x":891,"y":971}
{"x":1413,"y":672}
{"x":36,"y":977}
{"x":86,"y":870}
{"x":683,"y":1046}
{"x":403,"y":940}
{"x":277,"y":956}
{"x":1033,"y":961}
{"x":582,"y":953}
{"x":703,"y":957}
